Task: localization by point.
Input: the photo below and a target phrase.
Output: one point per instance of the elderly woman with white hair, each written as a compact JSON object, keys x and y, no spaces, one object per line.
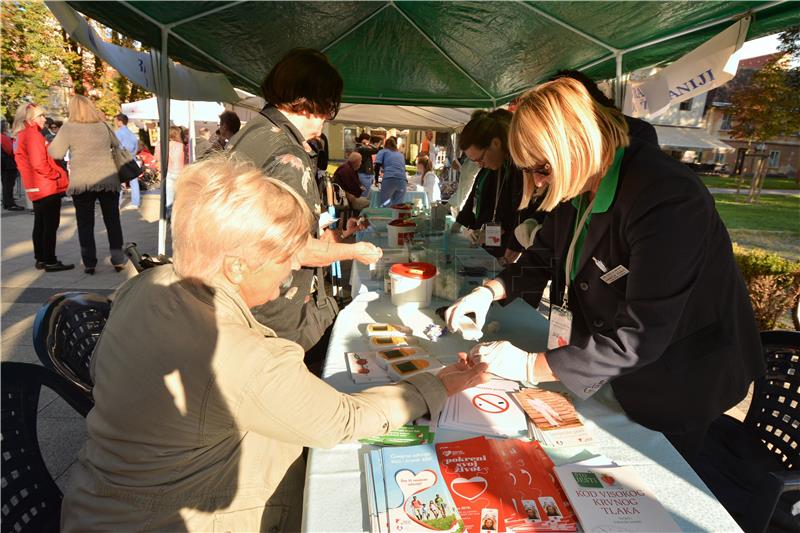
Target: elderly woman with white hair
{"x":201,"y":413}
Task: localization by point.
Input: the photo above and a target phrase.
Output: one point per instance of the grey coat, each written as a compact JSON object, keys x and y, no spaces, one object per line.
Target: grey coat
{"x":91,"y":166}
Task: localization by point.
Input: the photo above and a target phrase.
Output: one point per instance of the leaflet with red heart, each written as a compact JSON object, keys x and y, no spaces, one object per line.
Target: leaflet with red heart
{"x":471,"y":473}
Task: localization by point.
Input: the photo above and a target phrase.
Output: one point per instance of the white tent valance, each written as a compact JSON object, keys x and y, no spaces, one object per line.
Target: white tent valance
{"x":388,"y":116}
{"x":682,"y":138}
{"x":181,"y":111}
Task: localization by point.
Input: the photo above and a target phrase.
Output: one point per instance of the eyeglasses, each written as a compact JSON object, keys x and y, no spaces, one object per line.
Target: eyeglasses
{"x":542,"y":170}
{"x":483,"y":154}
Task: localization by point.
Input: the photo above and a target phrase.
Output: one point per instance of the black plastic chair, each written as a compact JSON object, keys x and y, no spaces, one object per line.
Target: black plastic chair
{"x":31,"y":499}
{"x":65,"y":332}
{"x":753,"y":467}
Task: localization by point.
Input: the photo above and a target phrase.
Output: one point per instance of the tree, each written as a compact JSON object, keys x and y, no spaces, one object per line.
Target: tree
{"x":31,"y":55}
{"x":38,"y":55}
{"x":769,"y":106}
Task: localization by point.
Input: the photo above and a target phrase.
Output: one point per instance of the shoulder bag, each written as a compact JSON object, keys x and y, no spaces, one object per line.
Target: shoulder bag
{"x":127,"y":169}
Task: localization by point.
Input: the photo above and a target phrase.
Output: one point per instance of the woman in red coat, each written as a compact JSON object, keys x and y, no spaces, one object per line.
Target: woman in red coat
{"x":44,"y":182}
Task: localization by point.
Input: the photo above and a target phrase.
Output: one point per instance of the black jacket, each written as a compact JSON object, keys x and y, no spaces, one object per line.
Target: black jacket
{"x":676,"y":337}
{"x":508,"y":215}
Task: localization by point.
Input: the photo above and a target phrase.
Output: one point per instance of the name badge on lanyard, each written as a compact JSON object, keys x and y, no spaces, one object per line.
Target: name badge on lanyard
{"x":561,"y":317}
{"x":560,"y":327}
{"x":493,"y":233}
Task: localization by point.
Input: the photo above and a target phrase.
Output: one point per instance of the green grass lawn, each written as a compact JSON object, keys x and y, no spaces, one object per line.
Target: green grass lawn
{"x":712,"y":180}
{"x":772,"y":224}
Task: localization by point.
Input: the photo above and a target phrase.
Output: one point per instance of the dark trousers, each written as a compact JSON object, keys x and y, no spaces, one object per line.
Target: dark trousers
{"x":84,"y":213}
{"x":46,"y":218}
{"x":688,"y":444}
{"x":9,"y":180}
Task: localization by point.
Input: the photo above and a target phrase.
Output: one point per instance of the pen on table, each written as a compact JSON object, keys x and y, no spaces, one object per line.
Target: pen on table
{"x":600,"y":264}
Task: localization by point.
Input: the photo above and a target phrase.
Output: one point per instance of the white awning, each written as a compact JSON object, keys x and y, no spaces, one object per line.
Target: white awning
{"x":681,"y":138}
{"x":387,"y":116}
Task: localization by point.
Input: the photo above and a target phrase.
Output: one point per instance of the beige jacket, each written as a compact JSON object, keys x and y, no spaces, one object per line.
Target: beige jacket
{"x":201,"y":416}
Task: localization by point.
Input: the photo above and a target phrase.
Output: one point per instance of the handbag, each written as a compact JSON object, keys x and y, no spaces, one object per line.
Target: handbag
{"x":127,"y":169}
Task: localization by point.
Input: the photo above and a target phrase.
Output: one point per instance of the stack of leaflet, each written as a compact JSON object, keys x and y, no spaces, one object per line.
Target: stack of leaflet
{"x":406,"y":492}
{"x":554,"y":421}
{"x":403,"y":436}
{"x":477,"y":485}
{"x":486,"y":409}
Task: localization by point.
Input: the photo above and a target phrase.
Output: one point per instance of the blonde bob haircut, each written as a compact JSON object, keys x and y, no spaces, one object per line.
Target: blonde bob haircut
{"x":81,"y":109}
{"x":26,"y":113}
{"x":227,"y":207}
{"x":559,"y":123}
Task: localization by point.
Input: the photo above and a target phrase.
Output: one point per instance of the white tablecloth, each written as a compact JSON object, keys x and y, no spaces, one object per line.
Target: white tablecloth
{"x":335,"y":497}
{"x":410,"y":197}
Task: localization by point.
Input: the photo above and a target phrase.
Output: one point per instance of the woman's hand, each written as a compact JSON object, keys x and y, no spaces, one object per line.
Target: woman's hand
{"x":478,"y":302}
{"x":463,"y":375}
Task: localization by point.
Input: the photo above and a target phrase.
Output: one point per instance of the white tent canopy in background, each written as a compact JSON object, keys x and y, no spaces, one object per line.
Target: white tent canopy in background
{"x":682,"y":138}
{"x":387,"y":116}
{"x":710,"y":65}
{"x":181,"y":111}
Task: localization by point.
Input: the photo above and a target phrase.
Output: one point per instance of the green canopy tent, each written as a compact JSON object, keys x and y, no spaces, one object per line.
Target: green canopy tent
{"x":451,"y":54}
{"x":460,"y":54}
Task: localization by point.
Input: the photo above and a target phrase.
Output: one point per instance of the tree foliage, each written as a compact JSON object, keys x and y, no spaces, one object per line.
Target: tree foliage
{"x":769,"y":106}
{"x":31,"y":54}
{"x":38,"y":56}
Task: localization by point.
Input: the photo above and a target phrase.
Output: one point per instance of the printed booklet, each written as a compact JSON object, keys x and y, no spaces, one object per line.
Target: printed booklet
{"x":613,"y":498}
{"x":554,"y":421}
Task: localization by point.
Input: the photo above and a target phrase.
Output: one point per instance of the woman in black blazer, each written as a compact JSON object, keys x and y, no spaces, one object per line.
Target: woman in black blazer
{"x":655,"y":304}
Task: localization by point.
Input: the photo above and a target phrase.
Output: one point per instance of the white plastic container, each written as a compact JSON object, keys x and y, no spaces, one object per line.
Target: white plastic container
{"x":412,"y":284}
{"x":400,"y":232}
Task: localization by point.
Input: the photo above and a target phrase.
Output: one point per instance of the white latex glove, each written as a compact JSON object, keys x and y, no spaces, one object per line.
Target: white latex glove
{"x":478,"y":302}
{"x":505,"y":360}
{"x":475,"y":236}
{"x":455,"y":228}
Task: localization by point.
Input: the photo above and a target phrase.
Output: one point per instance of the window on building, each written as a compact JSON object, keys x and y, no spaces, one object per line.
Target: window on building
{"x":686,"y":105}
{"x":726,"y":122}
{"x":719,"y":157}
{"x":774,"y":158}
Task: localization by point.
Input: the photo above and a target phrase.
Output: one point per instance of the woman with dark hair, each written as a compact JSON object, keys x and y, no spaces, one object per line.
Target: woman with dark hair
{"x":492,"y":209}
{"x":393,"y":164}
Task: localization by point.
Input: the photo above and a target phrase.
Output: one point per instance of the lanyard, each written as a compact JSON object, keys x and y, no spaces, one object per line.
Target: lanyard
{"x":571,"y":251}
{"x":501,"y":178}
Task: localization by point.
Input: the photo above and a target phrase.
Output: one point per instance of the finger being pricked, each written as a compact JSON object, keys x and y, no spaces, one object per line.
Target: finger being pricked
{"x":480,"y":374}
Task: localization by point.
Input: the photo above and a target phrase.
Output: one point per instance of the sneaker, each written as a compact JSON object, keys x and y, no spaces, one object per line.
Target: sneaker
{"x":129,"y":207}
{"x":58,"y":267}
{"x":14,"y":208}
{"x":40,"y":265}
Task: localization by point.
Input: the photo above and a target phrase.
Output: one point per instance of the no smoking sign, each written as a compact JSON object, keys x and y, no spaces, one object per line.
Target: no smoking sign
{"x":490,"y":403}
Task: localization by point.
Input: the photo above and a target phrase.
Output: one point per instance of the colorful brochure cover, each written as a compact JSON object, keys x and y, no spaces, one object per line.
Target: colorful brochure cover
{"x":532,"y":500}
{"x":613,"y":498}
{"x":472,"y":475}
{"x":416,"y":494}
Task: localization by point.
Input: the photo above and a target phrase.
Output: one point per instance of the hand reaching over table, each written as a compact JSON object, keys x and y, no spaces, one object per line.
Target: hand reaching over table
{"x":463,"y":375}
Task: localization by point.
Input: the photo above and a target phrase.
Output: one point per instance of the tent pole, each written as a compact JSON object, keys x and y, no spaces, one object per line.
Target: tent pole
{"x":618,"y":81}
{"x":163,"y":95}
{"x":192,"y":135}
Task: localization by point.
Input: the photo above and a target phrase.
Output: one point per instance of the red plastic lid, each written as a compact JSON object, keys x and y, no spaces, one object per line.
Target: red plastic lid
{"x":403,"y":207}
{"x":402,"y":222}
{"x":414,"y":270}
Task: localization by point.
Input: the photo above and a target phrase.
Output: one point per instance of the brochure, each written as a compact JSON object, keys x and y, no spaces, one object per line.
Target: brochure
{"x":473,"y":476}
{"x":613,"y":499}
{"x":554,"y":420}
{"x":417,"y":498}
